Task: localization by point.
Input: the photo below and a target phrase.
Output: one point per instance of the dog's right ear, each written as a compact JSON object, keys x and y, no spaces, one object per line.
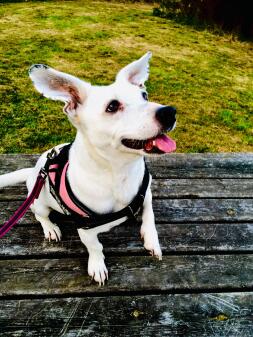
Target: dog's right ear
{"x":59,"y":86}
{"x":136,"y":72}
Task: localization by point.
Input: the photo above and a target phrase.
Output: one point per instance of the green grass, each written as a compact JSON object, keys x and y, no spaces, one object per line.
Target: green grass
{"x":207,"y":77}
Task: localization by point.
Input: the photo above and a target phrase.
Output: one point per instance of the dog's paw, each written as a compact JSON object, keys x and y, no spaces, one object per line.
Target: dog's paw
{"x":151,"y":242}
{"x":97,"y":269}
{"x":52,"y":233}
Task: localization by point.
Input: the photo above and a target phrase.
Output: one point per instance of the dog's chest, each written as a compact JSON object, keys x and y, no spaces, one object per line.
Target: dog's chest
{"x":123,"y":191}
{"x":104,"y":194}
{"x":116,"y":196}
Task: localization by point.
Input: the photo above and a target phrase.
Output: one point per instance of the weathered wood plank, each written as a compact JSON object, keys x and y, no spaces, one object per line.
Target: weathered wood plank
{"x":25,"y":241}
{"x":192,"y":210}
{"x":218,"y":165}
{"x":193,"y":315}
{"x":207,"y":165}
{"x":174,"y":210}
{"x":202,"y":188}
{"x":10,"y":193}
{"x":135,"y":273}
{"x":12,"y":162}
{"x":172,"y":188}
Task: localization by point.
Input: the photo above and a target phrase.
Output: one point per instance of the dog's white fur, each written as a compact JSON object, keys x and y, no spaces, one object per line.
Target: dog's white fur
{"x":103,"y":174}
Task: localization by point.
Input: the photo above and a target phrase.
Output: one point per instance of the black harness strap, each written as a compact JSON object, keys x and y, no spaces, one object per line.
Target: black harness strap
{"x":94,"y":219}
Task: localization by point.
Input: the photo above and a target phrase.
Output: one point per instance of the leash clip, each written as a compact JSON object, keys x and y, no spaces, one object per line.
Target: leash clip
{"x":44,"y":170}
{"x":52,"y":154}
{"x":43,"y":173}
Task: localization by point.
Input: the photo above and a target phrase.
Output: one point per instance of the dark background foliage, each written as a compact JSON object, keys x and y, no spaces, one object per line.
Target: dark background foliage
{"x":230,"y":15}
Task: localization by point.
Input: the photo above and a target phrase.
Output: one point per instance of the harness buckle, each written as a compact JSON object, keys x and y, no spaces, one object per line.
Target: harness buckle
{"x":139,"y":205}
{"x":52,"y":154}
{"x":43,"y":173}
{"x":133,"y":214}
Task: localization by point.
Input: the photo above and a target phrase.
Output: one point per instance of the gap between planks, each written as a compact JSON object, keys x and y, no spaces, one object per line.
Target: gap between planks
{"x":59,"y":256}
{"x":126,"y":293}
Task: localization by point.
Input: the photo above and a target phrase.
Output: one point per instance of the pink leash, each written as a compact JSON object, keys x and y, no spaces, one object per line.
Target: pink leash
{"x":30,"y":199}
{"x":26,"y":204}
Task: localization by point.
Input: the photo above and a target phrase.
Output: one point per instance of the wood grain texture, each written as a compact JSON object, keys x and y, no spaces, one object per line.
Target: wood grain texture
{"x":192,"y":210}
{"x":203,"y":205}
{"x":202,"y":188}
{"x":192,"y":315}
{"x":122,"y":240}
{"x":172,"y":188}
{"x":173,"y":210}
{"x":208,"y":165}
{"x":127,"y":273}
{"x":12,"y":162}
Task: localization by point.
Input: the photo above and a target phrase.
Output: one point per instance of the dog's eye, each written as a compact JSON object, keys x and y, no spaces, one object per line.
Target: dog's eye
{"x":113,"y":106}
{"x":145,"y":95}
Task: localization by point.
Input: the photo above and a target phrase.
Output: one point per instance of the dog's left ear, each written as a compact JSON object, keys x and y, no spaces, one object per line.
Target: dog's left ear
{"x":60,"y":86}
{"x":136,"y":72}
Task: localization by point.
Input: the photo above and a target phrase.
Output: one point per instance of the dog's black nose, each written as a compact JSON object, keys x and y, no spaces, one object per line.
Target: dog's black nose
{"x":166,"y":116}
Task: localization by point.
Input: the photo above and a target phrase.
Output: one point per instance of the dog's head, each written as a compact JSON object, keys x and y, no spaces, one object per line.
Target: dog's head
{"x":117,"y":118}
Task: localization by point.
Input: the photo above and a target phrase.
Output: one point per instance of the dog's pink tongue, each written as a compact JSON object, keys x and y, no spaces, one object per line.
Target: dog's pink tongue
{"x":164,"y":143}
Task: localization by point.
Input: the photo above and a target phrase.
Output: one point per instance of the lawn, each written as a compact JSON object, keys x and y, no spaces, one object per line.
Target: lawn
{"x":208,"y":77}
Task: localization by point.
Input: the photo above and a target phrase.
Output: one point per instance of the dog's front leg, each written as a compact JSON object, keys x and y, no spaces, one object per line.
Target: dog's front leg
{"x":96,"y":265}
{"x":51,"y":231}
{"x":148,"y":229}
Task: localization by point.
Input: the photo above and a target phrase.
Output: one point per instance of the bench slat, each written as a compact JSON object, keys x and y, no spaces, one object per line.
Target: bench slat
{"x":174,"y":210}
{"x":215,"y":165}
{"x":202,"y":188}
{"x":192,"y":210}
{"x":154,"y":315}
{"x":24,"y":241}
{"x":127,"y":273}
{"x":207,"y":165}
{"x":173,"y":188}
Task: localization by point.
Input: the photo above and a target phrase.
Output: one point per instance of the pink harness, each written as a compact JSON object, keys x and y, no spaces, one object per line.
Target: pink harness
{"x":63,"y":193}
{"x":74,"y":212}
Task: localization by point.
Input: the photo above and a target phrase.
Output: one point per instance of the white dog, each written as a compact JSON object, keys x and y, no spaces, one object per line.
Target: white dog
{"x":116,"y":127}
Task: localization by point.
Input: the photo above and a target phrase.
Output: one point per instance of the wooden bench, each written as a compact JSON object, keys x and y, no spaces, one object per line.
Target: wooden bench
{"x":202,"y":287}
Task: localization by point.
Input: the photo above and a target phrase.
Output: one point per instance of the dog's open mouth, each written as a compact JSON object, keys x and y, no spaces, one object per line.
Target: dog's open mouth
{"x":159,"y":144}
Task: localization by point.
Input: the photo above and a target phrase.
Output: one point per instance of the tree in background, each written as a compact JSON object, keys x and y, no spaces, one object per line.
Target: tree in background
{"x":230,"y":15}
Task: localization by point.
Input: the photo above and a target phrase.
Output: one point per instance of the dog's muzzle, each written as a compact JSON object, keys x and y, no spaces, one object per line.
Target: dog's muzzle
{"x":161,"y":143}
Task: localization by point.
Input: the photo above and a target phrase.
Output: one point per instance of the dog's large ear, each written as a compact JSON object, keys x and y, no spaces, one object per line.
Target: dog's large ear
{"x":59,"y":86}
{"x":136,"y":72}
